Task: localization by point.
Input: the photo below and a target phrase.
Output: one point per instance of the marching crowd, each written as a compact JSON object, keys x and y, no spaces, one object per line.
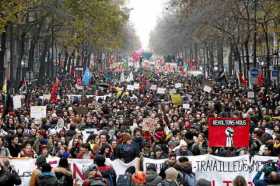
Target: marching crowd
{"x":117,"y":123}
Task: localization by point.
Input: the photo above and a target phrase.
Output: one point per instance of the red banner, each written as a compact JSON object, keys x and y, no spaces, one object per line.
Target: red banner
{"x":228,"y":132}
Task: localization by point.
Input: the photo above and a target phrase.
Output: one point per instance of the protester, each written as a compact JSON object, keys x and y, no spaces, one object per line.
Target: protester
{"x":107,"y":171}
{"x":47,"y":178}
{"x":63,"y":173}
{"x":8,"y":176}
{"x":170,"y":178}
{"x":114,"y":122}
{"x":239,"y":181}
{"x":40,"y":161}
{"x":153,"y":179}
{"x":139,"y":178}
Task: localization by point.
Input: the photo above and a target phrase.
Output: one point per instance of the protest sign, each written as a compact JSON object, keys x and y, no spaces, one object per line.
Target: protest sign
{"x":38,"y":112}
{"x":251,"y":94}
{"x":153,"y":87}
{"x":17,"y":101}
{"x":207,"y":88}
{"x":228,"y":132}
{"x":130,"y":87}
{"x":161,"y":90}
{"x":178,"y":85}
{"x":46,"y":96}
{"x":136,"y":86}
{"x":186,"y":106}
{"x":176,"y":99}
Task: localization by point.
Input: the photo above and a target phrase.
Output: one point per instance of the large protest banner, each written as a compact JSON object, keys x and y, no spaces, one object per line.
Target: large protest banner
{"x":24,"y":167}
{"x":220,"y":171}
{"x":228,"y":132}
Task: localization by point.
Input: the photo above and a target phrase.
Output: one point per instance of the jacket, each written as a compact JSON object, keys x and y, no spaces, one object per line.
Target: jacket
{"x":153,"y":179}
{"x":47,"y":179}
{"x":108,"y":173}
{"x":187,"y":177}
{"x":9,"y":178}
{"x":60,"y":172}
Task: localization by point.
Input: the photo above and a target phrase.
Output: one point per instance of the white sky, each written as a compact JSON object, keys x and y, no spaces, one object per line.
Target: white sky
{"x":144,"y":15}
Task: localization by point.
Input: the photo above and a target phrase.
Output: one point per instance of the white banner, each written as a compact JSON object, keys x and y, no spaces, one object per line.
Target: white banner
{"x":24,"y":167}
{"x":221,"y":171}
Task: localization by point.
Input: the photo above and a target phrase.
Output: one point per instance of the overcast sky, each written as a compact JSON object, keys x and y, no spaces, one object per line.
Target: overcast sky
{"x":144,"y":16}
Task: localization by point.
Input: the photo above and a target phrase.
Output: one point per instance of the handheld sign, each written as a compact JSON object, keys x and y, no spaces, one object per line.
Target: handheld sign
{"x":161,"y":90}
{"x":38,"y":112}
{"x":130,"y":87}
{"x":228,"y":132}
{"x":207,"y":88}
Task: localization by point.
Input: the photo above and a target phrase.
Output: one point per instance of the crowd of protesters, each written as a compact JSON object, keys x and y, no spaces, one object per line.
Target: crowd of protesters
{"x":84,"y":127}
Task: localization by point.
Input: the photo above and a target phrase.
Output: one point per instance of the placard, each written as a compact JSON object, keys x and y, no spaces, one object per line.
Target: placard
{"x":161,"y":90}
{"x":136,"y":86}
{"x":153,"y":87}
{"x":228,"y":132}
{"x":38,"y":112}
{"x":186,"y":106}
{"x":46,"y":96}
{"x":130,"y":87}
{"x":207,"y":88}
{"x":178,"y":85}
{"x":17,"y":101}
{"x":251,"y":94}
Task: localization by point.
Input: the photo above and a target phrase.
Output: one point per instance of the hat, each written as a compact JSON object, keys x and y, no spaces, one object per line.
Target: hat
{"x":171,"y":174}
{"x":139,"y":178}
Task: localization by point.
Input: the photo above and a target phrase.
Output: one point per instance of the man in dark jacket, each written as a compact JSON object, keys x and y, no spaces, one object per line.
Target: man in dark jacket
{"x":187,"y":177}
{"x":153,"y":179}
{"x":47,"y":178}
{"x":8,"y":176}
{"x":107,"y":171}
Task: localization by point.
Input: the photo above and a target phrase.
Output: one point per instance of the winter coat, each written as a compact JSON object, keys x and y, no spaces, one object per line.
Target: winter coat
{"x":9,"y":178}
{"x":47,"y":179}
{"x":153,"y":179}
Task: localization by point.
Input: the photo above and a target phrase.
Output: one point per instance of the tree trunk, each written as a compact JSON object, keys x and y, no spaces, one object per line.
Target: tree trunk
{"x":246,"y":45}
{"x":21,"y":53}
{"x":211,"y":58}
{"x":12,"y":55}
{"x":42,"y":69}
{"x":220,"y":54}
{"x":2,"y":56}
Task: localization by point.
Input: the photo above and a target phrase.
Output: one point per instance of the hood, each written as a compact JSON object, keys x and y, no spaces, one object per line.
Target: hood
{"x":151,"y":175}
{"x":183,"y":167}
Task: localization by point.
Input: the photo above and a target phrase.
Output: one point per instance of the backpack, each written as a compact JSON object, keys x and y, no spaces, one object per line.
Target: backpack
{"x":124,"y":180}
{"x":97,"y":182}
{"x":61,"y":181}
{"x":167,"y":183}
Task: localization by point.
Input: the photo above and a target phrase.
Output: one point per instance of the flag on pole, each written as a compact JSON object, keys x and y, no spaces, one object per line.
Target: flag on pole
{"x":54,"y":91}
{"x":130,"y":77}
{"x":86,"y":77}
{"x":122,"y":77}
{"x":260,"y":80}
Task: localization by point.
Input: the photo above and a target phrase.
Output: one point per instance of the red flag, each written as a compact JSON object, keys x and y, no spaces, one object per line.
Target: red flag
{"x":260,"y":80}
{"x":54,"y":90}
{"x":243,"y":80}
